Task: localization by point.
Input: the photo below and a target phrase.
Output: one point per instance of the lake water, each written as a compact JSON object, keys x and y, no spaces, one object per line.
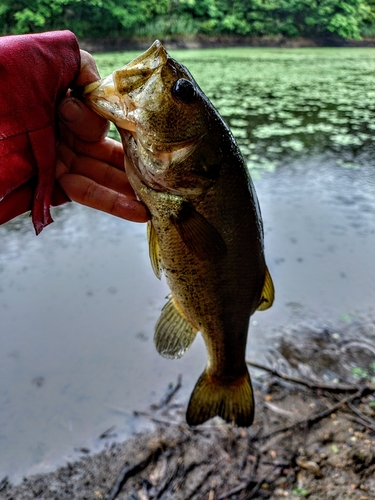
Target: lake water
{"x":78,"y":303}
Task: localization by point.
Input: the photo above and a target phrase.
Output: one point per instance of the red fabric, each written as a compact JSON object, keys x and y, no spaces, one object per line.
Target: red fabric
{"x":35,"y":73}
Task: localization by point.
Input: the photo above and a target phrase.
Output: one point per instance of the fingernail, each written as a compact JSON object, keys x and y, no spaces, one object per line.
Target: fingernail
{"x":71,"y":110}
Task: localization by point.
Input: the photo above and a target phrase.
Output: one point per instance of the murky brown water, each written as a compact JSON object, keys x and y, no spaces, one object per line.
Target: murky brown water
{"x":79,"y":302}
{"x":76,"y":357}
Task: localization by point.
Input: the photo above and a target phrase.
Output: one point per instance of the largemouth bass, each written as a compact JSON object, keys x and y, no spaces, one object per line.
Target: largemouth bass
{"x":205,"y":232}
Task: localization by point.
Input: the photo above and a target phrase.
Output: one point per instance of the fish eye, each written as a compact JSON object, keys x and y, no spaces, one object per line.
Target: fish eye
{"x":183,"y":90}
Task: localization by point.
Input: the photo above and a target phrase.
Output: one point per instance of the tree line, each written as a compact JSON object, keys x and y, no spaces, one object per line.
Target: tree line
{"x":348,"y":19}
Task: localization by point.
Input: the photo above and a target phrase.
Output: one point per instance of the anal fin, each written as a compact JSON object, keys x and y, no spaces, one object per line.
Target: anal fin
{"x":173,"y":333}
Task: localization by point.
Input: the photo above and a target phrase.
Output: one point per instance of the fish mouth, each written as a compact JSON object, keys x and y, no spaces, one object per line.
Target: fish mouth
{"x":109,"y":97}
{"x":103,"y":97}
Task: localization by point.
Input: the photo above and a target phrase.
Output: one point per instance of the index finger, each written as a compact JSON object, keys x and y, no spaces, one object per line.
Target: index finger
{"x":81,"y":121}
{"x":108,"y":150}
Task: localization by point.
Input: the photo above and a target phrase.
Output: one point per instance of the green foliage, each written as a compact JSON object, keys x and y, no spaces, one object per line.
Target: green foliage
{"x":282,"y":112}
{"x":87,"y":18}
{"x":111,"y":18}
{"x":364,"y":373}
{"x":169,"y":26}
{"x":300,"y":492}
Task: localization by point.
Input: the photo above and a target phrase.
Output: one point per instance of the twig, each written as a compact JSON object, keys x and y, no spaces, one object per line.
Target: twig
{"x":282,"y":465}
{"x":134,"y":496}
{"x":156,"y":420}
{"x":277,"y":410}
{"x":108,"y":433}
{"x":130,"y":471}
{"x":256,"y":463}
{"x":308,"y":383}
{"x":171,"y":392}
{"x":257,"y":487}
{"x":203,"y":481}
{"x":234,"y":490}
{"x":167,"y":482}
{"x":361,"y":421}
{"x":313,"y":419}
{"x":362,"y":416}
{"x":245,"y":485}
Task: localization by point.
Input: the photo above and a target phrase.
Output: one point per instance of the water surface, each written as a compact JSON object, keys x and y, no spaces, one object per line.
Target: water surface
{"x":78,"y":303}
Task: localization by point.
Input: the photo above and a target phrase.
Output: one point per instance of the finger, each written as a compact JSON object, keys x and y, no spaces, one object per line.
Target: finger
{"x":59,"y":197}
{"x":107,"y":150}
{"x":106,"y":162}
{"x":89,"y":193}
{"x":102,"y":174}
{"x":64,"y":161}
{"x":89,"y":72}
{"x":82,"y":121}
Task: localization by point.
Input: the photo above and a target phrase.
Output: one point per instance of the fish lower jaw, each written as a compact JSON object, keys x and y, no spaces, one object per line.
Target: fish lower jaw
{"x":111,"y":112}
{"x":117,"y":115}
{"x":125,"y":124}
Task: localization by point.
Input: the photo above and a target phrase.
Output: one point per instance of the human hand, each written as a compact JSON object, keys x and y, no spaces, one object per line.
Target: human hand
{"x":90,"y":166}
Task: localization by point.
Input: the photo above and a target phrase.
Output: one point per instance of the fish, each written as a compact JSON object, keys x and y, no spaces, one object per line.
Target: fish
{"x":205,"y":231}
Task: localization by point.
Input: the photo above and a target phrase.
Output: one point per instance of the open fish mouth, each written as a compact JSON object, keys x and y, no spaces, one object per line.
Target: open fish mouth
{"x":109,"y":96}
{"x":105,"y":99}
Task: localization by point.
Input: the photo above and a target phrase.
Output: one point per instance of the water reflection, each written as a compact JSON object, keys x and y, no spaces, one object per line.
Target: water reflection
{"x":78,"y":303}
{"x":77,"y":306}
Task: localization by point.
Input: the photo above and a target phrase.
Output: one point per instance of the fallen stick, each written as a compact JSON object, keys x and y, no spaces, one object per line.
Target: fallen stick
{"x":370,"y":422}
{"x":245,"y":485}
{"x":171,"y":392}
{"x":361,"y":421}
{"x":233,"y":491}
{"x":156,"y":420}
{"x":257,"y":487}
{"x":202,"y":481}
{"x":308,"y":383}
{"x":131,"y":470}
{"x":308,"y":422}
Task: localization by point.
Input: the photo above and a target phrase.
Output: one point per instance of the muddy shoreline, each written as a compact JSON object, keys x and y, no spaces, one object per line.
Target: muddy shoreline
{"x":313,"y":437}
{"x":201,"y":41}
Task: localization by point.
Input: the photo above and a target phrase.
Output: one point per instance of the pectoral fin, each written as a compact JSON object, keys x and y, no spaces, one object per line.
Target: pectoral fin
{"x":268,"y":293}
{"x":173,"y":333}
{"x":198,"y":234}
{"x":154,"y":250}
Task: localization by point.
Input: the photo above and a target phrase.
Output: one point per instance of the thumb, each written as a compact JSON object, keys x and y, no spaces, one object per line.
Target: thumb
{"x":82,"y":121}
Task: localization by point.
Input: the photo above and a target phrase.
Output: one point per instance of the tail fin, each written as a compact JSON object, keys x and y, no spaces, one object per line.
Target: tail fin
{"x":234,"y":401}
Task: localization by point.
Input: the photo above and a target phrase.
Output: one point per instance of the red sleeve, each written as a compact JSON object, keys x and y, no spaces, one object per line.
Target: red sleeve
{"x":35,"y":73}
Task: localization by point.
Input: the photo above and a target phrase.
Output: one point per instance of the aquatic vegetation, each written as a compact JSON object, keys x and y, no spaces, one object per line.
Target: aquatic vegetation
{"x":283,"y":104}
{"x":361,"y":373}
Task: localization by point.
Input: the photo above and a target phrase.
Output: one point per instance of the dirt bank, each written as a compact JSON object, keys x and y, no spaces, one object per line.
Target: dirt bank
{"x":313,"y":437}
